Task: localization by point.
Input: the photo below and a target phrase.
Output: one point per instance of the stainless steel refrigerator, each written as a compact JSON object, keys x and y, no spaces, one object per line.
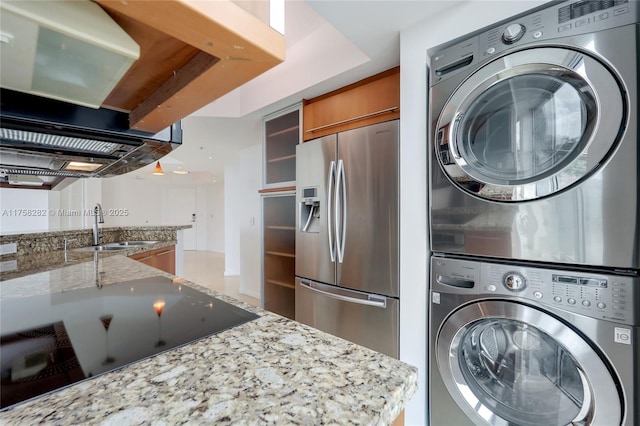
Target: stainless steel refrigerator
{"x":347,"y":280}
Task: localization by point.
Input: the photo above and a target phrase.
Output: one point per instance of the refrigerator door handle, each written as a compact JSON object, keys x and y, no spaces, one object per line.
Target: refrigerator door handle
{"x":332,"y":175}
{"x":341,"y":211}
{"x":372,"y":300}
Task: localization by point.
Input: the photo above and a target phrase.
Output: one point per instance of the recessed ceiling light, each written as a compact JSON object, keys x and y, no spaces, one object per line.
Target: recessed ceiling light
{"x":181,"y":172}
{"x":210,"y":158}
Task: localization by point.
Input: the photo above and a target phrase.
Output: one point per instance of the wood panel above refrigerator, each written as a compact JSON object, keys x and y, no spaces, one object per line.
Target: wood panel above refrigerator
{"x":372,"y":100}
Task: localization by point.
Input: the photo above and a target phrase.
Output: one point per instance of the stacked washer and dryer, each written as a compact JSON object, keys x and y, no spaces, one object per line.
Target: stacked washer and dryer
{"x":534,"y":192}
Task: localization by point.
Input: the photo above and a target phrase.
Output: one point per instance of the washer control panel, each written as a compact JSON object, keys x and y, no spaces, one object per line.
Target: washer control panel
{"x":597,"y":295}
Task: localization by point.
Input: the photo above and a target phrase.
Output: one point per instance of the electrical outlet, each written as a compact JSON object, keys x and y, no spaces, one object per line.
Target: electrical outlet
{"x":9,"y":248}
{"x":8,"y":265}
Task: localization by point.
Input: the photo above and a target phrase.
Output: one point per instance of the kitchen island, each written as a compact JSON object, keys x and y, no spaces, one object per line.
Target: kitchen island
{"x":267,"y":371}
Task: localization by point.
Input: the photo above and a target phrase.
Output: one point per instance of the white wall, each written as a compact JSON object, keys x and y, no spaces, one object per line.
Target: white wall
{"x":23,"y":210}
{"x":147,"y":200}
{"x":216,"y":219}
{"x":54,"y":203}
{"x":31,"y":210}
{"x":232,"y":204}
{"x":141,"y":198}
{"x":414,"y":247}
{"x":243,"y":179}
{"x":249,"y":221}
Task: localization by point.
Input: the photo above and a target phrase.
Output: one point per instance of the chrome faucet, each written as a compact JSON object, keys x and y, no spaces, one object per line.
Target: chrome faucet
{"x":98,"y":217}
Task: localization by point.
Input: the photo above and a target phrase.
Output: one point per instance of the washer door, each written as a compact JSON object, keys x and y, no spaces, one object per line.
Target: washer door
{"x":505,"y":363}
{"x":530,"y":124}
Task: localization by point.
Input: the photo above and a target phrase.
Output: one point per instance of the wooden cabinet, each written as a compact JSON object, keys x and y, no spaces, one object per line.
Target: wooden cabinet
{"x":279,"y":252}
{"x":369,"y":101}
{"x":281,"y":134}
{"x":163,"y":258}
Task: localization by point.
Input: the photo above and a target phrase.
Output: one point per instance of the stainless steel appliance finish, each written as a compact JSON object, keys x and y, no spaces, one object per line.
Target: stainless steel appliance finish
{"x":367,"y":319}
{"x":533,"y":138}
{"x":58,"y":141}
{"x":347,"y":235}
{"x":516,"y":344}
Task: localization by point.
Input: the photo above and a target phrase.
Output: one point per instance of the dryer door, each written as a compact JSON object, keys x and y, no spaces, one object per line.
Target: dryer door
{"x":505,"y":363}
{"x":530,"y":124}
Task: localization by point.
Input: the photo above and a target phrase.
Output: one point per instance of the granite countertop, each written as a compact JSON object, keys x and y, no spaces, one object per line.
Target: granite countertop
{"x":67,"y":231}
{"x":43,"y":251}
{"x":14,"y":266}
{"x":268,"y":371}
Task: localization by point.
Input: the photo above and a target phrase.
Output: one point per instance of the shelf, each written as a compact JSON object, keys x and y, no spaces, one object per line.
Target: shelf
{"x":278,"y":253}
{"x":283,"y":131}
{"x":286,"y":157}
{"x":281,"y":135}
{"x":280,"y":189}
{"x":280,"y":283}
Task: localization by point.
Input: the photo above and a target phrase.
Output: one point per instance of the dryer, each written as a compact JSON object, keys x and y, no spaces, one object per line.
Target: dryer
{"x":513,"y":344}
{"x":533,"y":137}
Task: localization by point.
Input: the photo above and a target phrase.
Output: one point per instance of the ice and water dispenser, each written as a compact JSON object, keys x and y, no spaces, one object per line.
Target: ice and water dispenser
{"x":309,"y":210}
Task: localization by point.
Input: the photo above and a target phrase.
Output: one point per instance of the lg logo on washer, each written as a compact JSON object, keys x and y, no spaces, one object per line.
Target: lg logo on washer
{"x":622,"y":335}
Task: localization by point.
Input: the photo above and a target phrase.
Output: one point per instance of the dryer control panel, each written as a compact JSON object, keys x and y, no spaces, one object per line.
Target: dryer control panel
{"x":593,"y":294}
{"x":567,"y":19}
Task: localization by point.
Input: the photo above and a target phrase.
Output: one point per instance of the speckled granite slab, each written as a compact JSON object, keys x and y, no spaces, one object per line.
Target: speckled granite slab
{"x":21,"y":265}
{"x":44,"y":242}
{"x":43,"y":251}
{"x":271,"y":371}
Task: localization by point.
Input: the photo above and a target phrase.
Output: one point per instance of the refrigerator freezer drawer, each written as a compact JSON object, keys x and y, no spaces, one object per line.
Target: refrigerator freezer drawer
{"x":366,"y":319}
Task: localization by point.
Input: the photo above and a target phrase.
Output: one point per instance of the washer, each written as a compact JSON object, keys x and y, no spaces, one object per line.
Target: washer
{"x":533,"y":133}
{"x":512,"y":344}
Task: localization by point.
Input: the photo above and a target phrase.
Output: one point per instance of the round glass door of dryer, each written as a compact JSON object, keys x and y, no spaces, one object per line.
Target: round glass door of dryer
{"x":525,"y":128}
{"x":514,"y":364}
{"x":530,"y":124}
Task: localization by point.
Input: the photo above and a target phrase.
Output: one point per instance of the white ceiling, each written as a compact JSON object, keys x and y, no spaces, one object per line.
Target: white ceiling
{"x":330,"y":43}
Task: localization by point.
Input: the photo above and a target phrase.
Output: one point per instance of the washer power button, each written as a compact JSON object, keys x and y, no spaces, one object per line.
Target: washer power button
{"x":514,"y":281}
{"x":513,"y":33}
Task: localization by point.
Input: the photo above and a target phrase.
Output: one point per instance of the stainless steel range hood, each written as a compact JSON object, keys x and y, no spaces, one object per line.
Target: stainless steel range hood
{"x":56,"y":141}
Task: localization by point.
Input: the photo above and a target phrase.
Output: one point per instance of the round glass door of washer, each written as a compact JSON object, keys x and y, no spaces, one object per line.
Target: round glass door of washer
{"x":505,"y":370}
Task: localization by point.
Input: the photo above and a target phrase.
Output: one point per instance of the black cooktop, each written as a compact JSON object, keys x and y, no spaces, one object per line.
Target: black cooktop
{"x":50,"y":341}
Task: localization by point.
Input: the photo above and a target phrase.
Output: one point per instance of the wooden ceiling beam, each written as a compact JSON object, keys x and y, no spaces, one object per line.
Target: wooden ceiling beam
{"x":235,"y":47}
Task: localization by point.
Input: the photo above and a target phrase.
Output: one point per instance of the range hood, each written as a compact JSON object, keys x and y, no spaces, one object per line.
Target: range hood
{"x":55,"y":142}
{"x":67,"y":50}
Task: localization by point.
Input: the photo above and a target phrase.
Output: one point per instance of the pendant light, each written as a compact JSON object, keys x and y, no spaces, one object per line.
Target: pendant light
{"x":158,"y":170}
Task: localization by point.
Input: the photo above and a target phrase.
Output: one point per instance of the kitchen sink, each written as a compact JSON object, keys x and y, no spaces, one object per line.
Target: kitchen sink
{"x":120,"y":245}
{"x":101,"y":248}
{"x":126,"y":244}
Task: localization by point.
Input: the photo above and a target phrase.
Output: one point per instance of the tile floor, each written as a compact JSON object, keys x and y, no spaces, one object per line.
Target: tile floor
{"x":207,"y":269}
